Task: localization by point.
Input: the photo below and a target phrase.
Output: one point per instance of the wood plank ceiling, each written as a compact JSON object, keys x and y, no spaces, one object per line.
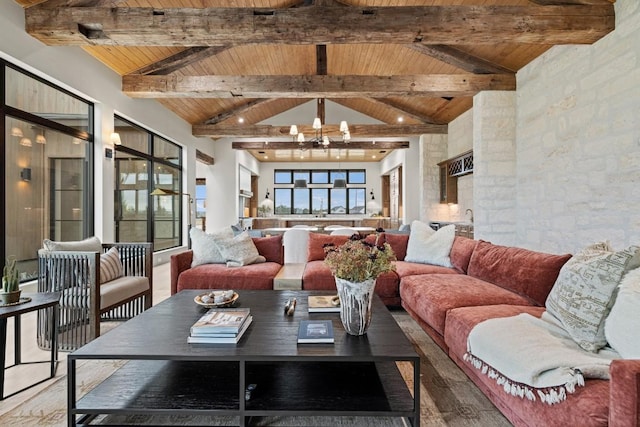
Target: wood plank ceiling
{"x":225,"y":66}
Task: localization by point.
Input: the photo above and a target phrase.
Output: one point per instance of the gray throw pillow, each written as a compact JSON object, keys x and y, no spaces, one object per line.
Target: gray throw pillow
{"x":584,"y":291}
{"x":204,"y":246}
{"x":239,"y":250}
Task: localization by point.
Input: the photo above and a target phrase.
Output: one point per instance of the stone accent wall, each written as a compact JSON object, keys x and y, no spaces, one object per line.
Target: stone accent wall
{"x":578,"y":149}
{"x":433,"y":149}
{"x":494,"y":174}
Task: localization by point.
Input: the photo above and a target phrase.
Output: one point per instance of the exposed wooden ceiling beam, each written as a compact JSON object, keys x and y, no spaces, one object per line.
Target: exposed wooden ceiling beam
{"x":403,"y":109}
{"x":289,"y":145}
{"x":180,"y":60}
{"x":146,"y":26}
{"x":357,"y":131}
{"x":569,"y":2}
{"x":460,"y":59}
{"x":243,"y":109}
{"x":331,"y":86}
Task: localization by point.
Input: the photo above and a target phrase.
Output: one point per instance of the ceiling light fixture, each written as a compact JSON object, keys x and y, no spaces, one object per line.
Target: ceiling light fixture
{"x":25,"y":142}
{"x":319,"y":140}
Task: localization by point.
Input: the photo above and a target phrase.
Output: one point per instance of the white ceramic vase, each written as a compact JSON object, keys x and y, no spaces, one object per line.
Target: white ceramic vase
{"x":355,"y":304}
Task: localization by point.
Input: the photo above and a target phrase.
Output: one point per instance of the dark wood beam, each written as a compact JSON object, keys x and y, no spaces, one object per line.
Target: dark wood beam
{"x":271,"y":86}
{"x":572,"y":2}
{"x":147,"y":26}
{"x":288,"y":145}
{"x":460,"y":59}
{"x":357,"y":131}
{"x":403,"y":109}
{"x":180,"y":60}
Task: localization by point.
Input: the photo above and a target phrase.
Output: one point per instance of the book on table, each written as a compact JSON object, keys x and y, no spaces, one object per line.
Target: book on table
{"x":315,"y":331}
{"x":323,"y":304}
{"x":220,"y":338}
{"x":221,"y":321}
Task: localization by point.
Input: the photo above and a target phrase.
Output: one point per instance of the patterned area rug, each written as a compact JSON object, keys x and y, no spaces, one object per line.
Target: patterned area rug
{"x":448,"y":398}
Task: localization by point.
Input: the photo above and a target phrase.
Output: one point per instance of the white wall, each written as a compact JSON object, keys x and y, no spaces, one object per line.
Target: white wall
{"x":75,"y":70}
{"x":578,"y":142}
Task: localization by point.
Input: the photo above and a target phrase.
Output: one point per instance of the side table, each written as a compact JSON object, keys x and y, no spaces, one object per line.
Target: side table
{"x":39,"y":301}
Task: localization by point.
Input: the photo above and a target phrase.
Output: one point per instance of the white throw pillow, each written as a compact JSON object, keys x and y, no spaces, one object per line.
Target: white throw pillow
{"x":91,"y":244}
{"x":623,"y":323}
{"x":427,"y":246}
{"x":205,"y":248}
{"x":110,"y":266}
{"x":239,"y":250}
{"x":583,"y":293}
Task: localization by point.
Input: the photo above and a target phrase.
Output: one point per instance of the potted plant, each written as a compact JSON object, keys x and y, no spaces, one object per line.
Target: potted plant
{"x":356,"y":266}
{"x":10,"y":282}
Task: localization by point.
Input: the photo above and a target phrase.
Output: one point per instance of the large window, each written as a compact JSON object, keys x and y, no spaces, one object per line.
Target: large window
{"x":145,"y":162}
{"x":319,"y":198}
{"x":48,"y":166}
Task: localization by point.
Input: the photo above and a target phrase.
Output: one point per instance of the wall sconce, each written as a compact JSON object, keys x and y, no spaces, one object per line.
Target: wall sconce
{"x":25,"y":142}
{"x":115,"y":138}
{"x":372,"y":196}
{"x":16,"y":131}
{"x":40,"y":139}
{"x":25,"y":174}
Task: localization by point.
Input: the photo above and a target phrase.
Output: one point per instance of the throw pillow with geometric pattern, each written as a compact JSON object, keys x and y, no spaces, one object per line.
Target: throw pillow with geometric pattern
{"x":584,"y":291}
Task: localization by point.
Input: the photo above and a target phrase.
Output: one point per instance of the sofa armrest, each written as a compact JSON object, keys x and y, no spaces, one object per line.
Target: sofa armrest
{"x":179,"y":263}
{"x":624,"y":393}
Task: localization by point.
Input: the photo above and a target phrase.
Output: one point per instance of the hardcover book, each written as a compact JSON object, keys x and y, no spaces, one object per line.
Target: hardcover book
{"x":323,"y":304}
{"x":221,"y":321}
{"x":220,"y":338}
{"x":315,"y":331}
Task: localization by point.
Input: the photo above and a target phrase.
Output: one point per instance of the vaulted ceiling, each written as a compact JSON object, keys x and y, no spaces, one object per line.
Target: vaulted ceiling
{"x":225,"y":66}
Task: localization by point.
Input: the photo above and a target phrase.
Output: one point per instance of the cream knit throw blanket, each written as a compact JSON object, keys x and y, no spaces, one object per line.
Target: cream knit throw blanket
{"x":533,"y":357}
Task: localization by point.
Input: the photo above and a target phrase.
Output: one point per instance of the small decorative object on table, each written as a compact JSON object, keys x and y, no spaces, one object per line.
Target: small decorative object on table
{"x":290,"y":306}
{"x":218,"y":299}
{"x":356,"y":265}
{"x":10,"y":282}
{"x":315,"y":332}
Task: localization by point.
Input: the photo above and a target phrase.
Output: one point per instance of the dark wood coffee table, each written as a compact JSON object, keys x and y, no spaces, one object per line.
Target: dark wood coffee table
{"x":165,"y":375}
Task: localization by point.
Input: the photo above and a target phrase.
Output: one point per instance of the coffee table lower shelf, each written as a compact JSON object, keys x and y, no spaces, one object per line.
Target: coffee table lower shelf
{"x":284,"y":388}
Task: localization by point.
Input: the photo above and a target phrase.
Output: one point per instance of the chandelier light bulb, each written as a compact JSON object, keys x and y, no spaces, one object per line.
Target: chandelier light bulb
{"x":344,"y":127}
{"x":294,"y":130}
{"x":325,"y":140}
{"x":301,"y":137}
{"x":317,"y":125}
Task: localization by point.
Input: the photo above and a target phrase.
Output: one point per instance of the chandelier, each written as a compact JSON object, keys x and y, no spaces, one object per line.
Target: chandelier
{"x":320,"y":140}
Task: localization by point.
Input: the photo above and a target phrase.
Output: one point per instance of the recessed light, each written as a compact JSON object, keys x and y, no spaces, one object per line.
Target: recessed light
{"x":240,"y":120}
{"x":400,"y":119}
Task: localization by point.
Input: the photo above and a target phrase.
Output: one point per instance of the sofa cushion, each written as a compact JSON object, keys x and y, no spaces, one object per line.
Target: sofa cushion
{"x":219,"y":276}
{"x":317,"y":276}
{"x":428,"y":246}
{"x":461,"y":252}
{"x":398,"y":243}
{"x":91,"y":244}
{"x":431,"y":296}
{"x":205,"y":247}
{"x":270,"y":248}
{"x":122,"y":288}
{"x":584,"y":292}
{"x":317,"y":242}
{"x":110,"y":265}
{"x":623,"y":323}
{"x":404,"y":268}
{"x":529,"y":273}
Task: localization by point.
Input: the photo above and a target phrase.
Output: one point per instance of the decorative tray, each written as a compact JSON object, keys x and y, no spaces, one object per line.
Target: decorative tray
{"x":207,"y":299}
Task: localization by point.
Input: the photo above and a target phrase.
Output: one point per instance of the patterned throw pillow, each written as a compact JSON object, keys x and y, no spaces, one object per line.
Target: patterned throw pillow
{"x":239,"y":250}
{"x":205,"y":248}
{"x":427,"y":246}
{"x":110,"y":266}
{"x":584,"y":292}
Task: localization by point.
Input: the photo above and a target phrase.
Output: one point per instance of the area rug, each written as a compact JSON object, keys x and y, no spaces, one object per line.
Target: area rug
{"x":447,"y":397}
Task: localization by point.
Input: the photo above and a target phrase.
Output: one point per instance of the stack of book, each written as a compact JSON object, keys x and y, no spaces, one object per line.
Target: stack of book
{"x":315,"y":331}
{"x":221,"y":326}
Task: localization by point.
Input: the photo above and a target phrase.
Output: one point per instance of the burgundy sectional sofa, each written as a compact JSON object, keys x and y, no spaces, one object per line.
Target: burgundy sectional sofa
{"x":486,"y":281}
